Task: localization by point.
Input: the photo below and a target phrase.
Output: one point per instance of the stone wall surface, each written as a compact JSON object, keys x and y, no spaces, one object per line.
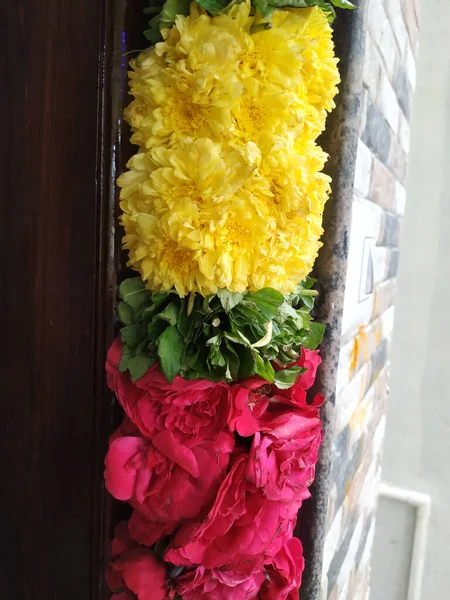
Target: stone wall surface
{"x":362,"y":380}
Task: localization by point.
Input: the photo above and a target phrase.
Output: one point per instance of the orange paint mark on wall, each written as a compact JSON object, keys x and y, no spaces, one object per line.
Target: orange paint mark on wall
{"x":359,"y":344}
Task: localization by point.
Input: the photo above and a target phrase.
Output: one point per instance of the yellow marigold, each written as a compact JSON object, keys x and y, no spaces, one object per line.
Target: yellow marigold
{"x":286,"y":179}
{"x":227,"y":190}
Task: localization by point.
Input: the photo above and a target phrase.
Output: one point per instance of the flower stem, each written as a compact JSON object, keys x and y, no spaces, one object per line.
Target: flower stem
{"x":260,"y":27}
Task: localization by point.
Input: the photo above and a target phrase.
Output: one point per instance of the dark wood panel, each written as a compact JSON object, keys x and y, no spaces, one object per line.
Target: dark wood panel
{"x":56,"y":292}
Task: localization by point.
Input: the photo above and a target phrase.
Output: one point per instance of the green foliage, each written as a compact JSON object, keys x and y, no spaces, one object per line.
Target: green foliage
{"x":166,"y":12}
{"x":213,"y":6}
{"x":225,"y":337}
{"x":170,"y":351}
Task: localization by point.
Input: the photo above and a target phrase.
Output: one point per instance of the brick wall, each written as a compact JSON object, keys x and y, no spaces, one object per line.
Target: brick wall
{"x":362,"y":383}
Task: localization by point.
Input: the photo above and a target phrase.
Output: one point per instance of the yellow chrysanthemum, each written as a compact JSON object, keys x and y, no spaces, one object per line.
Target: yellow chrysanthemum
{"x":227,"y":190}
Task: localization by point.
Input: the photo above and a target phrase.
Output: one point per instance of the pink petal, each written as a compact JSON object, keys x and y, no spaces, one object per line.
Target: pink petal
{"x":168,"y":445}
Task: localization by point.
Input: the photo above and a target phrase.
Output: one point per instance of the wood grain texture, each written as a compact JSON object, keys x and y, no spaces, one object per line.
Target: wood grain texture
{"x":63,"y":81}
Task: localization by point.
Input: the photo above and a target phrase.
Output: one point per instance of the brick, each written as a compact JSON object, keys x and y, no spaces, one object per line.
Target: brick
{"x":376,"y":20}
{"x":372,"y":68}
{"x":363,"y":170}
{"x":387,"y":321}
{"x":403,"y":89}
{"x":377,"y":133}
{"x":382,"y":186}
{"x":343,"y":470}
{"x":333,"y":536}
{"x":404,"y":133}
{"x":400,"y":198}
{"x":391,"y":235}
{"x":363,"y":109}
{"x":338,"y":559}
{"x":367,"y":229}
{"x":379,"y":359}
{"x":365,"y":559}
{"x":351,"y":396}
{"x":388,"y":48}
{"x":361,"y":481}
{"x":384,"y":297}
{"x":349,"y":560}
{"x":395,"y":16}
{"x":410,"y":65}
{"x":397,"y":161}
{"x":364,"y":537}
{"x":389,"y":104}
{"x":393,"y":263}
{"x":412,"y":25}
{"x":380,"y":263}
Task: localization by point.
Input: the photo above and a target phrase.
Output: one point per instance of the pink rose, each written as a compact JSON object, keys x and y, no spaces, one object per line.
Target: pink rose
{"x":193,"y":410}
{"x":283,"y":461}
{"x":242,"y":531}
{"x":255,"y":402}
{"x":205,"y":584}
{"x":135,"y":572}
{"x":285,"y":573}
{"x":164,"y":481}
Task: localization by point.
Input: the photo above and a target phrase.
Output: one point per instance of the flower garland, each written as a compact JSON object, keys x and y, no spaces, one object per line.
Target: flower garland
{"x":222,"y":209}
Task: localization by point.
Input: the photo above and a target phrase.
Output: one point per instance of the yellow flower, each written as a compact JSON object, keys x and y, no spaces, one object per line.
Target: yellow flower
{"x":226,"y":190}
{"x":287,"y":179}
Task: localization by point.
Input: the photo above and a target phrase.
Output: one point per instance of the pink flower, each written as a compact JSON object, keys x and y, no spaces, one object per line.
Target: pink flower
{"x":164,"y":481}
{"x":255,"y":402}
{"x":243,"y":530}
{"x":135,"y":572}
{"x":193,"y":410}
{"x":285,"y":573}
{"x":283,"y":461}
{"x":205,"y":584}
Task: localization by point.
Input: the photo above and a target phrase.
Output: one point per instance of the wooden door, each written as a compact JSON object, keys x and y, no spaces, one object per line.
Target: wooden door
{"x":63,"y":86}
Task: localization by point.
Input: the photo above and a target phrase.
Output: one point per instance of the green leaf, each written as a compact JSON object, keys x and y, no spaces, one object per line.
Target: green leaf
{"x":287,"y":377}
{"x":132,"y":335}
{"x":153,"y":33}
{"x":246,"y":362}
{"x":170,"y":351}
{"x":123,"y":365}
{"x":229,"y":299}
{"x":156,"y":327}
{"x":159,"y":298}
{"x":145,"y":342}
{"x":315,"y":336}
{"x":264,"y":8}
{"x":308,"y":301}
{"x":214,"y":341}
{"x":216,"y":357}
{"x":267,"y":300}
{"x":294,"y":3}
{"x":308,"y":282}
{"x":185,"y":323}
{"x":213,"y":6}
{"x":169,"y":314}
{"x":138,"y":365}
{"x":125,"y":313}
{"x":171,"y":9}
{"x":287,"y":312}
{"x":263,"y":368}
{"x":343,"y":4}
{"x":247,"y":314}
{"x":232,"y":361}
{"x":133,"y":292}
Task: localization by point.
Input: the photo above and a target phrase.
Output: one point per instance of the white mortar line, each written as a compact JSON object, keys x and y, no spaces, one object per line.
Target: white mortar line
{"x":422,"y":504}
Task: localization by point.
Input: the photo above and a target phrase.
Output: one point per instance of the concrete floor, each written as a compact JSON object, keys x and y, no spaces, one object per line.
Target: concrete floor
{"x":417,"y":447}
